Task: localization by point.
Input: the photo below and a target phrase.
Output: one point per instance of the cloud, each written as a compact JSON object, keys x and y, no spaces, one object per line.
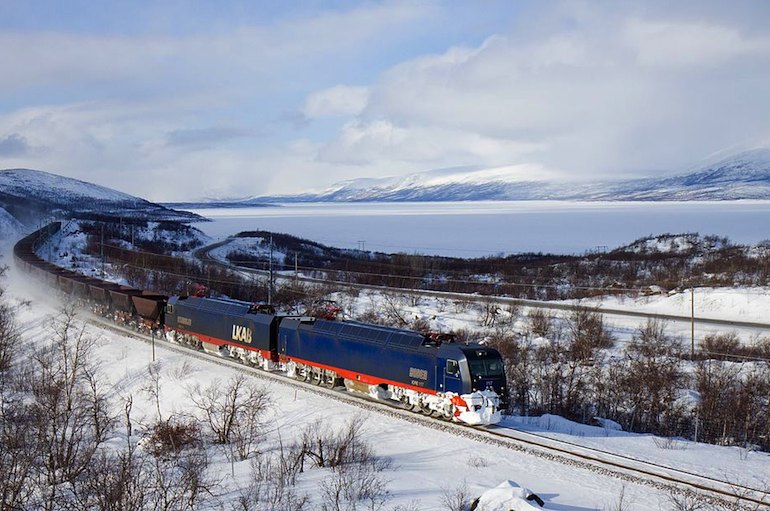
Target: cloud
{"x":267,"y":105}
{"x":686,"y":45}
{"x":203,"y":138}
{"x":361,"y":143}
{"x":13,"y":145}
{"x":341,"y":100}
{"x":602,"y":93}
{"x":151,"y":63}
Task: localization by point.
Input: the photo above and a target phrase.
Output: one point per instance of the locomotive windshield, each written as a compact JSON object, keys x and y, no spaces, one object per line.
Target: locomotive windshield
{"x":485,"y":364}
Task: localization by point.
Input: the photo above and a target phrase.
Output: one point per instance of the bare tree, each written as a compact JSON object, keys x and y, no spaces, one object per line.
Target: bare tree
{"x":69,"y":411}
{"x":114,"y":481}
{"x":181,"y":482}
{"x":152,"y":387}
{"x":18,"y":453}
{"x":653,"y":375}
{"x":234,"y":412}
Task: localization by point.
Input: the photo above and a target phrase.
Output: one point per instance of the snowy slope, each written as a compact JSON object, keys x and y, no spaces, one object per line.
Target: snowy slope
{"x":28,"y":194}
{"x":10,"y":228}
{"x":744,"y":175}
{"x":426,"y":464}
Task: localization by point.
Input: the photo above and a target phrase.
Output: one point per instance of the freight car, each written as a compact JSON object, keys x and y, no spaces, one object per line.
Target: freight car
{"x":430,"y":374}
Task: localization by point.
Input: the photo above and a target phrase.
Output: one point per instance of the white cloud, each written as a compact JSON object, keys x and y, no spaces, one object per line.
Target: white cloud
{"x":574,"y":86}
{"x":341,"y":100}
{"x":615,"y":92}
{"x":683,"y":45}
{"x":361,"y":143}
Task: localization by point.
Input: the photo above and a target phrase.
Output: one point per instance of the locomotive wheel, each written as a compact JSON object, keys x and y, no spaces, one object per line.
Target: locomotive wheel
{"x":330,"y":381}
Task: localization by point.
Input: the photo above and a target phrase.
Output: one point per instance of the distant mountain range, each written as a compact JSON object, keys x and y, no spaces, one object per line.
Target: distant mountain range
{"x":27,"y":196}
{"x":741,"y":176}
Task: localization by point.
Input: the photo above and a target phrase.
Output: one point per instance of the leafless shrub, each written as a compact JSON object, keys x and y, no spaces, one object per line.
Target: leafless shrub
{"x":114,"y":481}
{"x":329,"y":449}
{"x":514,"y":311}
{"x":463,"y":335}
{"x":355,"y":486}
{"x":152,"y":386}
{"x":588,"y":334}
{"x":281,"y":466}
{"x":668,"y":443}
{"x":490,"y":312}
{"x":233,"y":412}
{"x":456,"y":499}
{"x":721,"y":346}
{"x":540,"y":322}
{"x":683,"y":501}
{"x":181,"y":482}
{"x":182,"y":370}
{"x":392,"y":309}
{"x":621,"y":504}
{"x":170,"y":437}
{"x":477,"y":461}
{"x":414,"y":505}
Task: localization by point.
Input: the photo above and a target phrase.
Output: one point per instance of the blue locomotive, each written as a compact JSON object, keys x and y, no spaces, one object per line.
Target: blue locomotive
{"x":429,"y":374}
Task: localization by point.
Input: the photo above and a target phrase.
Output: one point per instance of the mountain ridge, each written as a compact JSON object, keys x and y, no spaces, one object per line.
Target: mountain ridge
{"x":28,"y":195}
{"x":744,"y":175}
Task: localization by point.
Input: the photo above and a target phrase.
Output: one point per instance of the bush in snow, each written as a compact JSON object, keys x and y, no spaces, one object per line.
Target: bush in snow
{"x":234,"y":412}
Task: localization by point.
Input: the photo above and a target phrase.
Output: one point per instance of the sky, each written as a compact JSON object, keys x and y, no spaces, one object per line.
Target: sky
{"x":181,"y":100}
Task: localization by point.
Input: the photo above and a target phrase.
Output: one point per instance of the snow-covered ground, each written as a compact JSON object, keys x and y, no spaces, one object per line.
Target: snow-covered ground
{"x":426,"y":464}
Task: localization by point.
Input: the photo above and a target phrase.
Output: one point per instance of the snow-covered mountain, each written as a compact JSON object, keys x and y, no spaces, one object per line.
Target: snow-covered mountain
{"x":26,"y":195}
{"x":741,"y":176}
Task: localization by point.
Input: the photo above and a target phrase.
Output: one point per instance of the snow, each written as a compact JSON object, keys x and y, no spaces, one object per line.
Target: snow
{"x":39,"y":184}
{"x":426,"y":463}
{"x":508,"y":496}
{"x":9,"y":227}
{"x":479,"y":229}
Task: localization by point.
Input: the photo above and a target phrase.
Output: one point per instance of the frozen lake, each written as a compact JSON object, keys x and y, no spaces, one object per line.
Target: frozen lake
{"x":473,"y":229}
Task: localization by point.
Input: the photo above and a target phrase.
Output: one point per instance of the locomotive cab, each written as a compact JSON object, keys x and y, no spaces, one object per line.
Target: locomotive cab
{"x":486,"y":372}
{"x":474,"y":375}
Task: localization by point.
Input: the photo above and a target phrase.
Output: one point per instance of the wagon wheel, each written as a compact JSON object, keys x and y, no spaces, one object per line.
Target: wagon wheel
{"x":330,"y":381}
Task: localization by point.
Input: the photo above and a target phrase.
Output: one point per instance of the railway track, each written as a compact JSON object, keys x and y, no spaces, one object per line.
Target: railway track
{"x":710,"y":491}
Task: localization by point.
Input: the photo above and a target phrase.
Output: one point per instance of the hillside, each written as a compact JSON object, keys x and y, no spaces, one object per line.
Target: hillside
{"x":28,"y":195}
{"x":744,"y":175}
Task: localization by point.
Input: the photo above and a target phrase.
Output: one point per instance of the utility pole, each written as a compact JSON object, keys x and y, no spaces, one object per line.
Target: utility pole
{"x":102,"y":249}
{"x":270,"y":277}
{"x":692,"y":323}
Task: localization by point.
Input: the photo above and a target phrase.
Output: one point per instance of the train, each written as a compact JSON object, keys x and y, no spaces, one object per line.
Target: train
{"x":425,"y":372}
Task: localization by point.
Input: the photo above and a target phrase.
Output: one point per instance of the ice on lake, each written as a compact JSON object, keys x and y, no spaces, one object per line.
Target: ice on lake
{"x":478,"y":229}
